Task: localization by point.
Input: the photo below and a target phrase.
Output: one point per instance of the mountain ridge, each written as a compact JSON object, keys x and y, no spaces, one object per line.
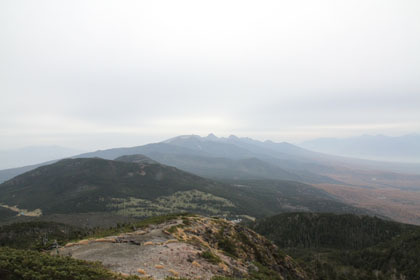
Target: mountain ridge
{"x":284,"y":155}
{"x":143,"y":189}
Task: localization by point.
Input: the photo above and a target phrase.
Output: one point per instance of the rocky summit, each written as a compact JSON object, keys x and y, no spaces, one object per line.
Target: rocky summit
{"x":192,"y":247}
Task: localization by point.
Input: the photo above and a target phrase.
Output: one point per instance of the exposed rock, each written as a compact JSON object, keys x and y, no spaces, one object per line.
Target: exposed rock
{"x":188,"y":247}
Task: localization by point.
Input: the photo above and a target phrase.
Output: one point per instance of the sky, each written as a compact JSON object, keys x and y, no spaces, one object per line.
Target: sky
{"x":100,"y":74}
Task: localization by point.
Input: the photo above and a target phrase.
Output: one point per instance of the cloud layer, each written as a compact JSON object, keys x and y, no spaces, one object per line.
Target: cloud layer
{"x":99,"y":73}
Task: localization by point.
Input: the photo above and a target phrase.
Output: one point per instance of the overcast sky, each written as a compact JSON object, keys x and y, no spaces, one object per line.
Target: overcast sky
{"x":98,"y":74}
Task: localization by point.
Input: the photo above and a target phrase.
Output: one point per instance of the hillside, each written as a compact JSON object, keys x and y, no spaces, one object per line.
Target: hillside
{"x":332,"y":246}
{"x":289,"y":196}
{"x":96,"y":185}
{"x":38,"y":235}
{"x":225,"y":168}
{"x":137,"y":159}
{"x":398,"y":258}
{"x":93,"y":185}
{"x":32,"y":265}
{"x":6,"y":213}
{"x":7,"y":174}
{"x":326,"y":230}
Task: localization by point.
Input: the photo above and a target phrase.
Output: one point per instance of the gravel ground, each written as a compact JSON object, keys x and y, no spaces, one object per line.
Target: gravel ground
{"x":147,"y":252}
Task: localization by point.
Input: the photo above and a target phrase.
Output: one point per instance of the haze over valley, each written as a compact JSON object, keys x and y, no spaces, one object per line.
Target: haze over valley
{"x":405,"y":148}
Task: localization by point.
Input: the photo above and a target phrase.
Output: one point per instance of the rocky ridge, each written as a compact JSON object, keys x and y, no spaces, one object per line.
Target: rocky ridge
{"x":191,"y":247}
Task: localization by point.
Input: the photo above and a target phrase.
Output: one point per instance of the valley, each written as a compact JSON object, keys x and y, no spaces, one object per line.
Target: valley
{"x":399,"y":205}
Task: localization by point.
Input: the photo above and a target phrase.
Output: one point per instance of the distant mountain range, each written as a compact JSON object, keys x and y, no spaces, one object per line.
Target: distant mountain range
{"x":222,"y":158}
{"x":375,"y":147}
{"x":238,"y":158}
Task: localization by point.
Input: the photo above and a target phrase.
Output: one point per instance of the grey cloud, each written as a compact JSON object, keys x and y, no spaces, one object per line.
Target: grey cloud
{"x":265,"y":69}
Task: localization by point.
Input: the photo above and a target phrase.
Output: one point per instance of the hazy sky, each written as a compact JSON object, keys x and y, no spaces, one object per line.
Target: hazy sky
{"x":97,"y":74}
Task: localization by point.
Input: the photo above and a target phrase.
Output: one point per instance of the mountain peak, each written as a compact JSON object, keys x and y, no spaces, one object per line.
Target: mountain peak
{"x":211,"y":136}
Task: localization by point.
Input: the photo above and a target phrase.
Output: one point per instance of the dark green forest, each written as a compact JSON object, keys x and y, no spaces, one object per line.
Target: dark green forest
{"x":33,"y":265}
{"x":331,"y":246}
